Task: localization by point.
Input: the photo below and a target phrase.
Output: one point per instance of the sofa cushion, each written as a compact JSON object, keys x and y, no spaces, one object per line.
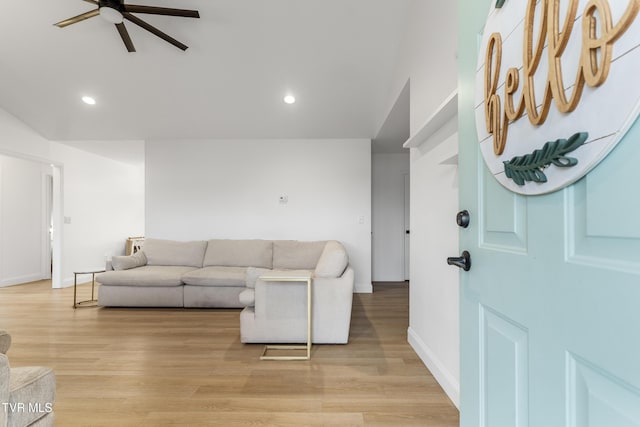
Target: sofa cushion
{"x":239,"y":253}
{"x":127,"y":262}
{"x":293,"y":254}
{"x":216,"y":276}
{"x":333,"y":261}
{"x":149,"y":275}
{"x":34,"y":387}
{"x":171,"y":252}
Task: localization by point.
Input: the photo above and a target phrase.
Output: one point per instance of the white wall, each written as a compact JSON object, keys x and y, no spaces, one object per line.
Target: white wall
{"x":103,"y":198}
{"x":201,"y":189}
{"x":22,"y":221}
{"x":388,"y":173}
{"x":428,"y":60}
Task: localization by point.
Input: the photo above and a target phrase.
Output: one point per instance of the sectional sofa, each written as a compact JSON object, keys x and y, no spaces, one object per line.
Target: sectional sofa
{"x":197,"y":274}
{"x":226,"y":274}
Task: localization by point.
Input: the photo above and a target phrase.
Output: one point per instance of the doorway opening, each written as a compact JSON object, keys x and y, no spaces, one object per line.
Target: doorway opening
{"x":390,"y":195}
{"x":30,"y":208}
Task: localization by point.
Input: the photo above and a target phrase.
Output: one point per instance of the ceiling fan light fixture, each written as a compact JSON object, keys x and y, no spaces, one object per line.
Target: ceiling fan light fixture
{"x":111,"y":15}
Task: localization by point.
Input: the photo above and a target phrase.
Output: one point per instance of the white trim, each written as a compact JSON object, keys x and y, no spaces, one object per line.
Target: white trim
{"x":58,"y":210}
{"x":447,"y":381}
{"x":45,"y":237}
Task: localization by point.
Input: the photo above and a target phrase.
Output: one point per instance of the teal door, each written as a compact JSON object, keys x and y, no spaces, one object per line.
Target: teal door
{"x":550,"y":309}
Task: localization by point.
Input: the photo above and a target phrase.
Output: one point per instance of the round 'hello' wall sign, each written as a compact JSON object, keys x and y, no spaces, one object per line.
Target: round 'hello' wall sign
{"x":557,"y":86}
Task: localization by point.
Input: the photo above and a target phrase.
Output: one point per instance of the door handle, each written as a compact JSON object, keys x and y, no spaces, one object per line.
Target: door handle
{"x":463,"y":261}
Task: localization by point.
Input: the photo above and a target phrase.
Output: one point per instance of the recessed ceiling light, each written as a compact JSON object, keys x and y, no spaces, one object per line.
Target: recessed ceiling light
{"x":88,"y":100}
{"x":289,"y":99}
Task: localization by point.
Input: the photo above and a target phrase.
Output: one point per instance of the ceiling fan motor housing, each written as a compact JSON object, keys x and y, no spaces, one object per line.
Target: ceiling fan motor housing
{"x":113,"y":4}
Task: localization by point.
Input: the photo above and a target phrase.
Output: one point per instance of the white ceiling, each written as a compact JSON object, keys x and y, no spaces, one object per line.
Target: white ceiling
{"x":336,"y":56}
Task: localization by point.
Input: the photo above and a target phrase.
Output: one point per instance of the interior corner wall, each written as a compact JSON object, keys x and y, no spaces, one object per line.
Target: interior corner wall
{"x":203,"y":189}
{"x":103,"y":198}
{"x":428,"y":58}
{"x":388,"y":177}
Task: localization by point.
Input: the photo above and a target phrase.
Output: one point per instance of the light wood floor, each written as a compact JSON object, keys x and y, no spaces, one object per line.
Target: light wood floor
{"x":152,"y":367}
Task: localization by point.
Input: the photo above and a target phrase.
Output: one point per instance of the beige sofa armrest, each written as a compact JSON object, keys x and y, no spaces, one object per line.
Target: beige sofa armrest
{"x":279,"y":314}
{"x":333,"y":261}
{"x":5,"y":342}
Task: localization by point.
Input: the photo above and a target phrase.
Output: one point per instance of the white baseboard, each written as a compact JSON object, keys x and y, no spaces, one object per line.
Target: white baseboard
{"x":18,"y":280}
{"x":448,"y":382}
{"x":363,"y":288}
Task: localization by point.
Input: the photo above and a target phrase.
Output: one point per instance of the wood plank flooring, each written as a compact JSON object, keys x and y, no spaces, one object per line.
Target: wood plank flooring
{"x":157,"y":367}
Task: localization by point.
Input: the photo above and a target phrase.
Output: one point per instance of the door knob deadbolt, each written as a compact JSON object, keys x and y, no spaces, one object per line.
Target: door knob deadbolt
{"x":463,"y":218}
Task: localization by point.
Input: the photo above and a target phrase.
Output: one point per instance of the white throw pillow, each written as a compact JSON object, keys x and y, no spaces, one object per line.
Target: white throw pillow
{"x":126,"y":262}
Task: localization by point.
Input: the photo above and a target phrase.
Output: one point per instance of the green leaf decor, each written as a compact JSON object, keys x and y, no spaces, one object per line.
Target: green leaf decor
{"x":530,"y":167}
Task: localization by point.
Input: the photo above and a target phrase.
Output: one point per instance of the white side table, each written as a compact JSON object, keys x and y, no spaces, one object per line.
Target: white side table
{"x":90,"y":302}
{"x":294,"y":278}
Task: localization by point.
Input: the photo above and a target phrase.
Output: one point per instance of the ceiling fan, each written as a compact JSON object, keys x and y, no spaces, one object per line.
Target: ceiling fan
{"x":116,"y":11}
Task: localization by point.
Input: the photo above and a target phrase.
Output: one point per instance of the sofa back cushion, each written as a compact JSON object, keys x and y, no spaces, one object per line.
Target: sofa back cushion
{"x":239,"y":253}
{"x":333,"y":261}
{"x":296,"y":255}
{"x":172,"y":252}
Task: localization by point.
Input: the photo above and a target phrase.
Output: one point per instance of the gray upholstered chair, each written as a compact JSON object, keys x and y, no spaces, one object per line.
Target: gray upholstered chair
{"x":26,"y":394}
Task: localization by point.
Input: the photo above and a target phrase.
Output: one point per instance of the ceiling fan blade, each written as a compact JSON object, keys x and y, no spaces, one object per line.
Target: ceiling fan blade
{"x":134,"y":8}
{"x":93,"y":2}
{"x":125,"y":37}
{"x":78,"y":18}
{"x":154,"y":30}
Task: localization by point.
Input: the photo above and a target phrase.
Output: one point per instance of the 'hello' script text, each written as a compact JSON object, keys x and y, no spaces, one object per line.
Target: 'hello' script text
{"x":598,"y":36}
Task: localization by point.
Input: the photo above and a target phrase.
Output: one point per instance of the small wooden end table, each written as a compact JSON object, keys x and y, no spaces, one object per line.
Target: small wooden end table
{"x":90,"y":302}
{"x":294,"y":278}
